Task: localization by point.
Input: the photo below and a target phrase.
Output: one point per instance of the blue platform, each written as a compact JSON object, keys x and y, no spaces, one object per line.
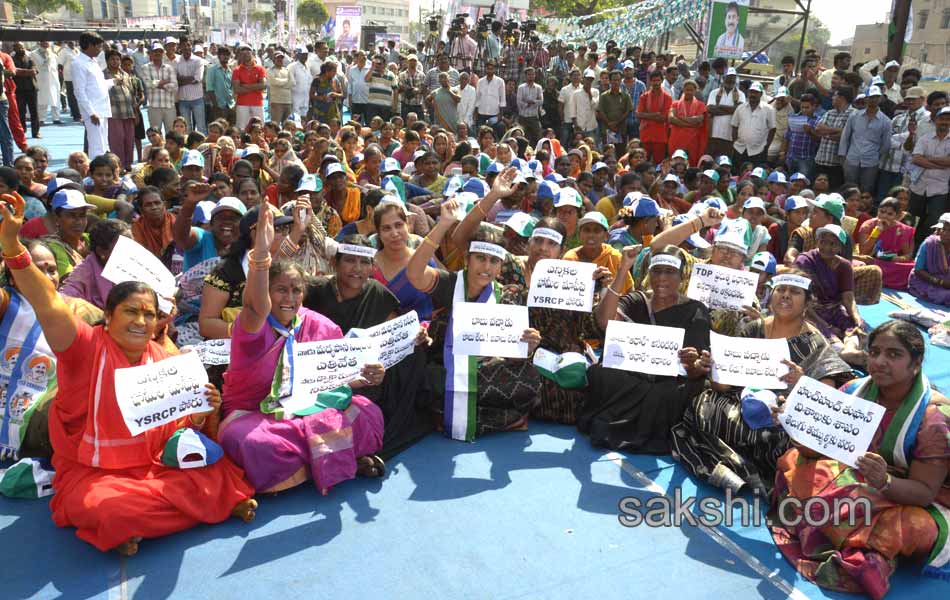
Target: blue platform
{"x":519,"y":515}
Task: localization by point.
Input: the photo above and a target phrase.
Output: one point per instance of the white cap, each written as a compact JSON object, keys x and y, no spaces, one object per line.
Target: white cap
{"x":729,"y":71}
{"x":334,"y":168}
{"x":754,"y":202}
{"x":171,"y":40}
{"x":893,"y":64}
{"x":873,"y":91}
{"x":756,"y":87}
{"x":671,"y":177}
{"x":782,"y":92}
{"x":590,"y":73}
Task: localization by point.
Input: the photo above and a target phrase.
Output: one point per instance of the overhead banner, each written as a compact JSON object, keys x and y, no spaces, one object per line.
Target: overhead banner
{"x":727,"y":20}
{"x":349,"y":21}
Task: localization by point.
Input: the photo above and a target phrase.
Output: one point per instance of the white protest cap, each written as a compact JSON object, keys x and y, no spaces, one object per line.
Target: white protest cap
{"x":193,"y":158}
{"x":301,"y":49}
{"x":754,"y":202}
{"x":198,"y":49}
{"x":795,"y":202}
{"x":69,"y":199}
{"x":943,"y":221}
{"x":229,"y":203}
{"x":671,"y":177}
{"x":333,"y":169}
{"x":418,"y":154}
{"x":568,"y":197}
{"x":252,"y":150}
{"x":158,"y":46}
{"x":171,"y":40}
{"x":892,"y":65}
{"x":521,"y":223}
{"x":589,"y":73}
{"x":202,"y":212}
{"x":872,"y":91}
{"x":391,"y":165}
{"x":732,"y":236}
{"x":594,"y":217}
{"x":781,"y":92}
{"x":943,"y":111}
{"x":756,"y":87}
{"x":680,"y":153}
{"x":730,"y":71}
{"x":834,"y":230}
{"x":665,"y":260}
{"x":309,"y":183}
{"x":763,"y":261}
{"x":598,"y":166}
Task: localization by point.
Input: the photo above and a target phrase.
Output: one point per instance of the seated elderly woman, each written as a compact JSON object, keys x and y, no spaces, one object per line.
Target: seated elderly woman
{"x":930,"y":279}
{"x":889,"y":244}
{"x":633,"y":411}
{"x":902,"y":477}
{"x":331,"y":441}
{"x":351,"y":298}
{"x":108,"y":482}
{"x":834,"y":311}
{"x":713,"y":440}
{"x":498,"y":392}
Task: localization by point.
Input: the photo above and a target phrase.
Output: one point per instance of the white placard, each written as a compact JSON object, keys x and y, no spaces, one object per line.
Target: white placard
{"x":640,"y":348}
{"x":326,"y":365}
{"x":396,"y":338}
{"x":130,"y":261}
{"x":748,"y":362}
{"x":161,"y":392}
{"x":837,"y":425}
{"x":481,"y":329}
{"x":563,"y":284}
{"x":722,"y":287}
{"x":213,"y":352}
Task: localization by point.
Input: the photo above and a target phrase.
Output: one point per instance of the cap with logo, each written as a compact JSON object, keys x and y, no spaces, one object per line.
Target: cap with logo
{"x":763,"y":261}
{"x":828,"y":203}
{"x":70,"y":200}
{"x":594,"y":217}
{"x":229,"y":203}
{"x":193,"y":158}
{"x":834,"y":230}
{"x":568,"y":197}
{"x":521,"y":223}
{"x":190,"y":449}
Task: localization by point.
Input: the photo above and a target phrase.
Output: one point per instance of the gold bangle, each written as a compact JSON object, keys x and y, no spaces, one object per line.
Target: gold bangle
{"x":426,"y":240}
{"x":197,"y":423}
{"x":613,"y":291}
{"x":230,"y":328}
{"x":478,"y":205}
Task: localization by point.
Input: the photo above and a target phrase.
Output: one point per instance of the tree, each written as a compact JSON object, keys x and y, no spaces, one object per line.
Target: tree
{"x":817,"y":37}
{"x":38,"y":7}
{"x":312,"y":13}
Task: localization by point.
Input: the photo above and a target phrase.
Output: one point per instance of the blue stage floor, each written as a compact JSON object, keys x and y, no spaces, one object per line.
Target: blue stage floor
{"x":519,"y":515}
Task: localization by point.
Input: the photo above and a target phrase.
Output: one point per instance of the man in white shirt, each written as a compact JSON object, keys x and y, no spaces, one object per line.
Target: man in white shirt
{"x":357,"y":88}
{"x":66,"y":56}
{"x":303,"y":77}
{"x":567,"y":127}
{"x":581,"y":108}
{"x":190,"y":72}
{"x":47,"y":80}
{"x":280,"y":86}
{"x":720,"y":104}
{"x":92,"y":93}
{"x":930,"y":175}
{"x":753,"y":127}
{"x":466,"y":106}
{"x":489,"y":97}
{"x":891,"y":87}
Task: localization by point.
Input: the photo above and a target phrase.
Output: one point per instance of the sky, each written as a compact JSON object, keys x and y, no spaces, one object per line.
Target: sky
{"x":840,"y":16}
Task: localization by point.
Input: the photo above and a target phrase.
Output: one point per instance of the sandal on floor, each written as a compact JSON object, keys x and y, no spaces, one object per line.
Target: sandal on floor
{"x":374,"y":467}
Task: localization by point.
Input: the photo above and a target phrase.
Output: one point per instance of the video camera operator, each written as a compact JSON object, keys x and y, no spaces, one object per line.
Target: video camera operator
{"x":493,"y":42}
{"x":512,"y":57}
{"x":462,"y":47}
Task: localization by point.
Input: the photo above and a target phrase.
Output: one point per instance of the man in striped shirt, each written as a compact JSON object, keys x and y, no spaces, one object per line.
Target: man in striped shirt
{"x":381,"y":85}
{"x":161,"y":86}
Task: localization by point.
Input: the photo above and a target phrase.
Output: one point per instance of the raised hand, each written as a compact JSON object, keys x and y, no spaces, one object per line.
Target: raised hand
{"x":11,"y":211}
{"x":264,"y":236}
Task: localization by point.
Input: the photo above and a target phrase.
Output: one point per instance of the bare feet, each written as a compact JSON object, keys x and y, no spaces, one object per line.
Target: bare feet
{"x":129,"y":548}
{"x":370,"y":466}
{"x":245,"y":510}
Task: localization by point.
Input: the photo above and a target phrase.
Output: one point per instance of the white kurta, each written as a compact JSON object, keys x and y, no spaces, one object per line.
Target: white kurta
{"x":47,"y":81}
{"x":301,"y":90}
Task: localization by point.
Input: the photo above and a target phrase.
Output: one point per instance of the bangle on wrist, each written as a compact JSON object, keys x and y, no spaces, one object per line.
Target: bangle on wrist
{"x":478,"y":205}
{"x":198,"y":423}
{"x":428,"y":240}
{"x":613,"y":291}
{"x":18,"y":262}
{"x":887,"y":483}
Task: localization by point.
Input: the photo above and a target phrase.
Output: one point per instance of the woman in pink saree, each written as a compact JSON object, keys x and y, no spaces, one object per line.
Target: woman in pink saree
{"x":688,"y":124}
{"x":889,"y":244}
{"x":330,"y":441}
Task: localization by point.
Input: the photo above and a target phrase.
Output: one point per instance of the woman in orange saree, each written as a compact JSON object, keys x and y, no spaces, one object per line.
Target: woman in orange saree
{"x":688,"y":124}
{"x":113,"y":486}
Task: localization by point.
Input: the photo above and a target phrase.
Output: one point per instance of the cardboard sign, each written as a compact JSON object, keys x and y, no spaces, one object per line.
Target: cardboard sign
{"x":213,"y":352}
{"x":326,"y":365}
{"x":748,"y":362}
{"x":489,"y":329}
{"x":396,"y":338}
{"x":722,"y":287}
{"x":640,"y":348}
{"x":130,"y":261}
{"x":563,"y":284}
{"x":161,"y":392}
{"x":837,"y":425}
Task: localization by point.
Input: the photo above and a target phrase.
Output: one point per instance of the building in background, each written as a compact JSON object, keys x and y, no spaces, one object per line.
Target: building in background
{"x":929,"y":44}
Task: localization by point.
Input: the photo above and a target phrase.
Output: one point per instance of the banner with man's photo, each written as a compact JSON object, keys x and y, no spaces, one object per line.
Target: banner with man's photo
{"x":349,"y":20}
{"x":727,"y":23}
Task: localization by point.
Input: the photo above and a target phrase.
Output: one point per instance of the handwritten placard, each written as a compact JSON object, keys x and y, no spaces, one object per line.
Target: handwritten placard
{"x":396,"y":338}
{"x":748,"y":362}
{"x":563,"y":284}
{"x":489,"y":329}
{"x":326,"y":365}
{"x":650,"y":349}
{"x":130,"y":261}
{"x":161,"y":392}
{"x":837,"y":425}
{"x":213,"y":352}
{"x":722,"y":287}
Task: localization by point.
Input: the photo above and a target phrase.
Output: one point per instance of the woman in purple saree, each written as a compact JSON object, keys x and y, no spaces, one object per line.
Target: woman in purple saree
{"x":930,"y":279}
{"x":331,"y":441}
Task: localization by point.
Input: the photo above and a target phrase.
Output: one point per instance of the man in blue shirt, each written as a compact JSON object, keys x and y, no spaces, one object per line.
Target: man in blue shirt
{"x":865,"y":142}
